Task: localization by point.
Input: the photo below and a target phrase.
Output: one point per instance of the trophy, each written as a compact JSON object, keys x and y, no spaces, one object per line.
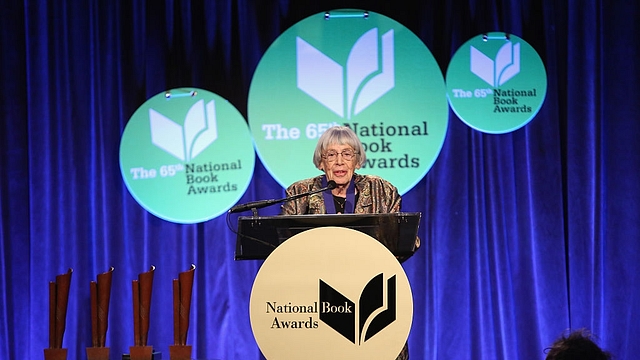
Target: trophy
{"x":58,"y":300}
{"x":100,"y":295}
{"x":141,"y":309}
{"x":182,"y":287}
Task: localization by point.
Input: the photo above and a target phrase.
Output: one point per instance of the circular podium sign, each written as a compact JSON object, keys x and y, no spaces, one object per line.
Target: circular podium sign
{"x":331,"y":293}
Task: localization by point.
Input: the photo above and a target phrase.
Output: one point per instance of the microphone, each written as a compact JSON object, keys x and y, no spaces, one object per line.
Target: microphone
{"x":264,"y":203}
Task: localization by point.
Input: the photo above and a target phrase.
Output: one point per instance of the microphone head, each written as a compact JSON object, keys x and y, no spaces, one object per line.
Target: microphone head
{"x":331,"y":185}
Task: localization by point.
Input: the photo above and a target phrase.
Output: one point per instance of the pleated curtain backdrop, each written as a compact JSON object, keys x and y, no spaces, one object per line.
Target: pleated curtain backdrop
{"x":524,"y":235}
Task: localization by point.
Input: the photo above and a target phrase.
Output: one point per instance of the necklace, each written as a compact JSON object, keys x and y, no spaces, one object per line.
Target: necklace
{"x":330,"y":201}
{"x":339,"y":203}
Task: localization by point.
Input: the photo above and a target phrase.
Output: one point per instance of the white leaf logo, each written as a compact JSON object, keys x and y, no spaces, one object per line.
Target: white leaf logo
{"x":370,"y":73}
{"x":498,"y":72}
{"x":185,"y":142}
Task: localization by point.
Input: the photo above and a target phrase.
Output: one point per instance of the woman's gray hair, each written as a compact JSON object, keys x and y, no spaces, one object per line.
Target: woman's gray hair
{"x":339,"y":135}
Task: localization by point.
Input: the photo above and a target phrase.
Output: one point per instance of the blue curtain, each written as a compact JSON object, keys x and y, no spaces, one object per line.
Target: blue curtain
{"x":524,"y":235}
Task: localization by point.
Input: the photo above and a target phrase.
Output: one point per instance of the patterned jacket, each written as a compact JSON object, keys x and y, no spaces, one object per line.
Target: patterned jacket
{"x":376,"y":196}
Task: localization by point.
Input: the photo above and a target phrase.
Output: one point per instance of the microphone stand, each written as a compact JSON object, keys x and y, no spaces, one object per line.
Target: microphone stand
{"x":255,"y":205}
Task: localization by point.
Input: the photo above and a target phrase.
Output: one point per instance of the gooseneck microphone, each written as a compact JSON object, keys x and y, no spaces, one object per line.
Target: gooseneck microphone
{"x":264,"y":203}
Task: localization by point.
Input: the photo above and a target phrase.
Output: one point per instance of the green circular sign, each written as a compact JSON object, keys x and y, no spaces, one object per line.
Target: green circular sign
{"x":186,"y":155}
{"x":353,"y":68}
{"x":496,"y":83}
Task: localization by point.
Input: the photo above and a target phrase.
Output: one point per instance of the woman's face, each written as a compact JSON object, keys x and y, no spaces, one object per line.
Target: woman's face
{"x":336,"y":165}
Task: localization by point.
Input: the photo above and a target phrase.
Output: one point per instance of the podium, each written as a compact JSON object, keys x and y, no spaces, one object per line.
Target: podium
{"x":331,"y":285}
{"x":258,"y":236}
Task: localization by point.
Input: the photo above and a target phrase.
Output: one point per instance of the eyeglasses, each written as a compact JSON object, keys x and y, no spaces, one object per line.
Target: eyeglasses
{"x":332,"y":155}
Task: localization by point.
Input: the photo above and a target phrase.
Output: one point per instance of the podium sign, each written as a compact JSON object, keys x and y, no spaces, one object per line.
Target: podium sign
{"x":259,"y":236}
{"x":331,"y":293}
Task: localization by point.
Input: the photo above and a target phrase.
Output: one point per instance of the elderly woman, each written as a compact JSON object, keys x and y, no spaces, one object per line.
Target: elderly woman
{"x":339,"y":153}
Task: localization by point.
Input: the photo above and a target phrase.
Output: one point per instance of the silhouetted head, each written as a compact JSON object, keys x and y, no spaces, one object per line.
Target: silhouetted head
{"x":579,"y":345}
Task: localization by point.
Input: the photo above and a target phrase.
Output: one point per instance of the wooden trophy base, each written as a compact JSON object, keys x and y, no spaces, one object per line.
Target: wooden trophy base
{"x":55,"y":354}
{"x":179,"y":352}
{"x":97,"y":353}
{"x":141,"y":352}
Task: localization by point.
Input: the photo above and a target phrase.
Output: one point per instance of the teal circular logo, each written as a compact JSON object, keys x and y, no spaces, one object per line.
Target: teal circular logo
{"x":354,"y":68}
{"x":496,"y":83}
{"x":186,"y":155}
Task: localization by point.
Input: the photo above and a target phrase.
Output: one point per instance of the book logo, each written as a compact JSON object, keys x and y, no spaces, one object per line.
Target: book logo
{"x":496,"y":72}
{"x":374,"y":311}
{"x":368,"y":74}
{"x":187,"y":141}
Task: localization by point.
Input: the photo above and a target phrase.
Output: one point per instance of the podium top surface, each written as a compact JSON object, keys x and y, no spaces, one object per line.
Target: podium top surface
{"x":258,"y":236}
